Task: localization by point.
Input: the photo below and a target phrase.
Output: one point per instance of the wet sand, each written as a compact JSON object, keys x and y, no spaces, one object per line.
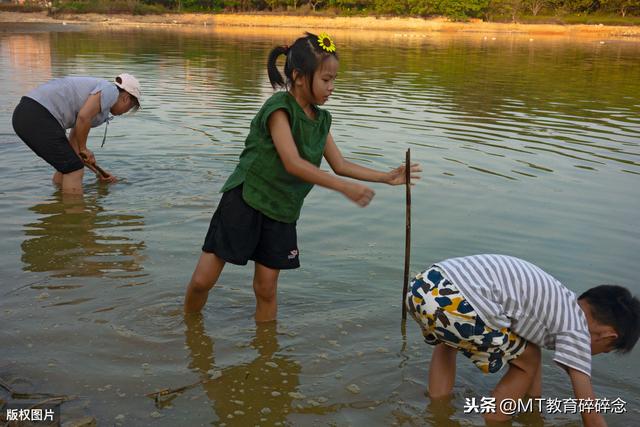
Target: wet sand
{"x":392,"y":26}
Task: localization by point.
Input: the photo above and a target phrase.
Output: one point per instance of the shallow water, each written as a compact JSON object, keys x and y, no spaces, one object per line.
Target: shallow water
{"x":530,"y":148}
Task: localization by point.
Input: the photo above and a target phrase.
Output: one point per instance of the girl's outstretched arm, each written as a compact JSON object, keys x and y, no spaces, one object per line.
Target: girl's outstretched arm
{"x":343,"y":167}
{"x":280,"y":130}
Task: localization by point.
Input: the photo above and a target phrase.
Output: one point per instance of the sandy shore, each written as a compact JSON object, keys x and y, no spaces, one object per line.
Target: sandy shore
{"x":393,"y":25}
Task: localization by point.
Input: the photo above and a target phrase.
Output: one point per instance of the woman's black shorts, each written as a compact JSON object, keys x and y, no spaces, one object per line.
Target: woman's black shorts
{"x":239,"y":233}
{"x":35,"y":125}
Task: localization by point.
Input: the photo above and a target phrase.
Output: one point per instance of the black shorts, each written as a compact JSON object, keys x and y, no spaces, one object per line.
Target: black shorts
{"x":37,"y":127}
{"x":239,"y":233}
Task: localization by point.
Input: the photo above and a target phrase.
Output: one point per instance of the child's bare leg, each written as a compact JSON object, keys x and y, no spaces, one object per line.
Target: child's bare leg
{"x":72,"y":182}
{"x":442,"y":371}
{"x":204,"y":277}
{"x":536,"y":386}
{"x":57,"y":178}
{"x":517,"y":381}
{"x":265,"y":285}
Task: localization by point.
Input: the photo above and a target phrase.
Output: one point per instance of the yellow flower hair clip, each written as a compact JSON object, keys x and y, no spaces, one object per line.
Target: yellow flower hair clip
{"x":326,"y":43}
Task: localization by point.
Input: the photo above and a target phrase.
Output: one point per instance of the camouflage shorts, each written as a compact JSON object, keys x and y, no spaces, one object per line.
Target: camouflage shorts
{"x":446,"y":317}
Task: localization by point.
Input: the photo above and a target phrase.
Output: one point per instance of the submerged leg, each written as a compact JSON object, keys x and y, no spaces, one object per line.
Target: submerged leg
{"x":535,"y":390}
{"x":519,"y":379}
{"x":57,"y":178}
{"x":204,"y":277}
{"x":72,"y":182}
{"x":442,"y":371}
{"x":265,"y":285}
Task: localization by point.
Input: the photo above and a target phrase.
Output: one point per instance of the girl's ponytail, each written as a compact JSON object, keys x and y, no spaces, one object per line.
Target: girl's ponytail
{"x":274,"y":75}
{"x":304,"y":56}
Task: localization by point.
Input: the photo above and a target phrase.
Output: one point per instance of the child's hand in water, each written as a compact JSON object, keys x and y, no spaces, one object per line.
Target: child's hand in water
{"x":108,"y":178}
{"x":358,"y":193}
{"x":398,"y":175}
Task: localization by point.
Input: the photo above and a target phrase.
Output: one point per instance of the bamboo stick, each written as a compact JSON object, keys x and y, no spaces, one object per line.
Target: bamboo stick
{"x":93,"y":166}
{"x":407,"y":235}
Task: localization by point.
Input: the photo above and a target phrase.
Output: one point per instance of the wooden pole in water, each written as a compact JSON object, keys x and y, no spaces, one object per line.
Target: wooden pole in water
{"x":407,"y":235}
{"x":93,"y":166}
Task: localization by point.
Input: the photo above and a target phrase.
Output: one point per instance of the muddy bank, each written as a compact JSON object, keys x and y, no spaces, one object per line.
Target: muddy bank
{"x":250,"y":22}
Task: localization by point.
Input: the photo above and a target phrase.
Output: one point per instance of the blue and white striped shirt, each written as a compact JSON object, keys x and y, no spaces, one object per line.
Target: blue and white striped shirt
{"x":513,"y":293}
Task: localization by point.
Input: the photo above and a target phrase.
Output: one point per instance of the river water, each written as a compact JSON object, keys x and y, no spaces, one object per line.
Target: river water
{"x":530,"y":147}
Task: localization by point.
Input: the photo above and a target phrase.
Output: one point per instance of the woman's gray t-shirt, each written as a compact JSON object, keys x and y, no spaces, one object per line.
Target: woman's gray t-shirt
{"x":64,"y":97}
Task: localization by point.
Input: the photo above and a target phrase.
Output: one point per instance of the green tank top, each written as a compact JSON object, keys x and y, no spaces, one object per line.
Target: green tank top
{"x":267,"y":186}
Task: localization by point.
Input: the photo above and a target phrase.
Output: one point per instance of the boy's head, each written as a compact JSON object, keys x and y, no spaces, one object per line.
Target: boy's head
{"x":613,"y":315}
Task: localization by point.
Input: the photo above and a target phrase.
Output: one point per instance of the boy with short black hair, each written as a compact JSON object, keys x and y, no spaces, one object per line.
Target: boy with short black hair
{"x":498,"y":309}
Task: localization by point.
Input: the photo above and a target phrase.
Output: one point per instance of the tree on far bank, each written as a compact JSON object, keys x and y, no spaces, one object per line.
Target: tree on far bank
{"x":622,"y":7}
{"x":454,"y":9}
{"x":460,"y":9}
{"x":535,"y":6}
{"x":314,"y":4}
{"x":508,"y":8}
{"x":395,"y":7}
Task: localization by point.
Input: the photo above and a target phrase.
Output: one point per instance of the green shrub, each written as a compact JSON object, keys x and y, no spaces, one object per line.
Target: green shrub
{"x":26,"y":7}
{"x":134,"y":7}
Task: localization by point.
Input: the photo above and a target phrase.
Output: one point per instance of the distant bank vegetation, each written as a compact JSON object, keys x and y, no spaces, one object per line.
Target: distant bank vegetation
{"x":609,"y":12}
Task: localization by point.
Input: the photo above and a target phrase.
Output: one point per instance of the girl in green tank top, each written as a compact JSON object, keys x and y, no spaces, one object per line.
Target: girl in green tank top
{"x":279,"y":165}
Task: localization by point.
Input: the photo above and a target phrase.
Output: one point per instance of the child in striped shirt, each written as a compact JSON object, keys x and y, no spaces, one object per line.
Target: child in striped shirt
{"x":498,"y":309}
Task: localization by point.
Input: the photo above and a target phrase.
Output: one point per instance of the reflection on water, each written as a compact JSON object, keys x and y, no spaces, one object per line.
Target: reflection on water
{"x":73,"y":237}
{"x":259,"y":392}
{"x":30,"y":56}
{"x":440,"y":412}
